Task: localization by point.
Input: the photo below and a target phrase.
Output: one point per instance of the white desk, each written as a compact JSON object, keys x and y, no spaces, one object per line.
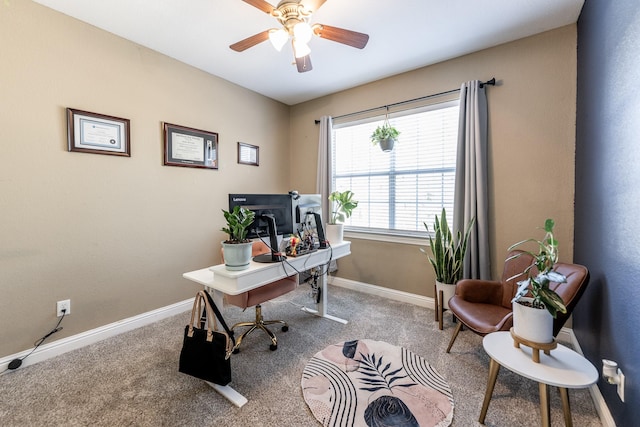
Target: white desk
{"x":563,"y":368}
{"x":219,"y":281}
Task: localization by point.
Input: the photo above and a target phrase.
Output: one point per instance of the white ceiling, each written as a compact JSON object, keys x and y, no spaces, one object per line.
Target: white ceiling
{"x":404,"y":35}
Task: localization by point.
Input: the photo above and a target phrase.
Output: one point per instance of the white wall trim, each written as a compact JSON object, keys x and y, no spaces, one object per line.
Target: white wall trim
{"x":596,"y":395}
{"x":381,"y":291}
{"x":56,"y":348}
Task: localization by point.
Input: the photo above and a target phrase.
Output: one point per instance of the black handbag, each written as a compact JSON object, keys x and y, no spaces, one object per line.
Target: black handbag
{"x":206,"y":352}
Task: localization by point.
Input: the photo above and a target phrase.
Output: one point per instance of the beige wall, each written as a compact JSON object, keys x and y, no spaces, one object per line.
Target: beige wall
{"x":112,"y":234}
{"x":531,"y":148}
{"x":115,"y":234}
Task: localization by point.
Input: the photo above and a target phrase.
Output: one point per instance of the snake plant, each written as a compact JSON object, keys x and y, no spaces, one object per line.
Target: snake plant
{"x":448,"y":253}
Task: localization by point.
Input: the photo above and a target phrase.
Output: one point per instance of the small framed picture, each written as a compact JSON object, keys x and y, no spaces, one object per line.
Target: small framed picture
{"x":97,"y":133}
{"x":248,"y":154}
{"x":188,"y":147}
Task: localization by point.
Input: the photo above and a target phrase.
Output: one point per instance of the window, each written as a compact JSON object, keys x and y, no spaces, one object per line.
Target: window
{"x":398,"y":191}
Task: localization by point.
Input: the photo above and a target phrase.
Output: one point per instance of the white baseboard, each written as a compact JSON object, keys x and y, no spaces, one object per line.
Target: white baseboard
{"x":598,"y":400}
{"x":381,"y":291}
{"x":566,"y":334}
{"x":73,"y":342}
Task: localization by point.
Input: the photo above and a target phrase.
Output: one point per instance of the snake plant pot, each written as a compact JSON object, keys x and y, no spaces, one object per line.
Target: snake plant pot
{"x":335,"y":233}
{"x":448,"y":290}
{"x":387,"y":144}
{"x":530,"y":323}
{"x":237,"y":256}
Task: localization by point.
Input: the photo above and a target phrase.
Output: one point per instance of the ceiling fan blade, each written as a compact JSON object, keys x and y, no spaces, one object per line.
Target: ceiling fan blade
{"x":250,"y":41}
{"x":340,"y":35}
{"x":304,"y":64}
{"x":261,"y":4}
{"x":312,"y":5}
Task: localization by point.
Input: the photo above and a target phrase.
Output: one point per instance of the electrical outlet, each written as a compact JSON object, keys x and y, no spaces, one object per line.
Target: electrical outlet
{"x":63,"y":305}
{"x":620,"y":384}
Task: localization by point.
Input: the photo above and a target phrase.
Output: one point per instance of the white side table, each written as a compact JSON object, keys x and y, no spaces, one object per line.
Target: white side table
{"x":563,"y":368}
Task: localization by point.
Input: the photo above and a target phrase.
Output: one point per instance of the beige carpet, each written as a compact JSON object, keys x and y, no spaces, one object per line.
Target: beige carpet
{"x":133,"y":379}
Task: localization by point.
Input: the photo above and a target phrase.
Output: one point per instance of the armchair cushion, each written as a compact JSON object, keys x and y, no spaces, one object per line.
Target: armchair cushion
{"x":479,"y":291}
{"x":482,"y":318}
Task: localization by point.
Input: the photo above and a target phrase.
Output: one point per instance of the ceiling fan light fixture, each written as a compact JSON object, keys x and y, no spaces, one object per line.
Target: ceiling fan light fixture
{"x":278,"y":38}
{"x":302,"y":32}
{"x":300,"y":49}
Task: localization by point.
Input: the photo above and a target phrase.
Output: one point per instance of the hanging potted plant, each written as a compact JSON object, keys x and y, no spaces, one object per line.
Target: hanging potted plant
{"x":447,"y":256}
{"x":533,"y":315}
{"x":237,"y":248}
{"x":385,"y":135}
{"x":342,"y":205}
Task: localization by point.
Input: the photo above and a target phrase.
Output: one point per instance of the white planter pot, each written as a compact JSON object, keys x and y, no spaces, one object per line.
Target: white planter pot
{"x":448,"y":290}
{"x":334,"y":233}
{"x":237,"y":256}
{"x":533,"y":324}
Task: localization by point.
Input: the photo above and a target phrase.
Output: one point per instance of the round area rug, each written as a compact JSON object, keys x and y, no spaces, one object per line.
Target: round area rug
{"x":373,"y":383}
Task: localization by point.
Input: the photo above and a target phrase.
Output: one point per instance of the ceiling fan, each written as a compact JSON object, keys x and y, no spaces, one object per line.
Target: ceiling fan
{"x":294,"y":17}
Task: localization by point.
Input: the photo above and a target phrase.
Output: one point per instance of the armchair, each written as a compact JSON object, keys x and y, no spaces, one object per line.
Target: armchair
{"x":484,"y":306}
{"x":258,"y":296}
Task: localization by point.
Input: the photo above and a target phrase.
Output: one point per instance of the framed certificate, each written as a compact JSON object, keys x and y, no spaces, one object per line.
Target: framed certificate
{"x":190,"y":147}
{"x":97,"y":133}
{"x":248,"y":154}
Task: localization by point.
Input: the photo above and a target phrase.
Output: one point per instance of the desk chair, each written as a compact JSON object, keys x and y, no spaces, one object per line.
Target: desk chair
{"x":484,"y":306}
{"x":256,"y":297}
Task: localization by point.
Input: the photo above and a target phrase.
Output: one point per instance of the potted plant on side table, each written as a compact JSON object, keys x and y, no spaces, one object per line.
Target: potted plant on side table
{"x":447,"y":259}
{"x":237,"y":248}
{"x":342,"y":205}
{"x":533,"y":315}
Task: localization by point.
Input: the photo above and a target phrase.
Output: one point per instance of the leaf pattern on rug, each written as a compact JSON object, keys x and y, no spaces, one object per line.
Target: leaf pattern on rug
{"x":378,"y":378}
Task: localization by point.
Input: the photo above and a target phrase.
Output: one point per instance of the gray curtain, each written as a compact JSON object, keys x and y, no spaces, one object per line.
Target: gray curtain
{"x":471,"y":198}
{"x":323,"y":178}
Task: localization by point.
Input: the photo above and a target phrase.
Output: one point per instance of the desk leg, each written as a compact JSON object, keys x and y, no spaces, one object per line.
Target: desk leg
{"x":494,"y":367}
{"x":321,"y":306}
{"x":218,"y":298}
{"x":566,"y":407}
{"x":229,"y":393}
{"x":545,"y":412}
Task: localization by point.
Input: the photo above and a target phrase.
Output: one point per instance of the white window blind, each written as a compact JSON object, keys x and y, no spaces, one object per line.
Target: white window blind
{"x":400,"y":190}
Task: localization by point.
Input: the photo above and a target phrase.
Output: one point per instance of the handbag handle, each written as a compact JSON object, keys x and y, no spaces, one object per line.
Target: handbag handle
{"x":219,"y":316}
{"x":206,"y":313}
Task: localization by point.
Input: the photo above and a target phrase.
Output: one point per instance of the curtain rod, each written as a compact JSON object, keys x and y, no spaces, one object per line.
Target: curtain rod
{"x":491,"y":82}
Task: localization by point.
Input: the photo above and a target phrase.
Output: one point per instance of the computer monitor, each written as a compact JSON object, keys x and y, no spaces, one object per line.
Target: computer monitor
{"x":307,"y":218}
{"x":277,"y":205}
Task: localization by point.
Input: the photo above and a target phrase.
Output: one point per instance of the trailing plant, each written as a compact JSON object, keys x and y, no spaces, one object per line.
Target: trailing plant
{"x":386,"y":131}
{"x":342,"y":205}
{"x":238,"y":220}
{"x":538,"y":279}
{"x":448,"y":252}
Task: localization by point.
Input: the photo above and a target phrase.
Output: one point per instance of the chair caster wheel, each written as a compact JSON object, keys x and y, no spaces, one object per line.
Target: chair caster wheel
{"x":273,"y":347}
{"x":236,"y":350}
{"x":285,"y":328}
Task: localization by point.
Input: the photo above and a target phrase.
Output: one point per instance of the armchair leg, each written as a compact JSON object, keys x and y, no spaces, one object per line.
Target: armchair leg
{"x":454,"y":336}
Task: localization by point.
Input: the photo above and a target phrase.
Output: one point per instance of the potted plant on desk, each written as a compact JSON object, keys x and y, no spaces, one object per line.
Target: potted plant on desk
{"x":447,"y":259}
{"x":533,"y":315}
{"x":237,"y":248}
{"x":342,"y":205}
